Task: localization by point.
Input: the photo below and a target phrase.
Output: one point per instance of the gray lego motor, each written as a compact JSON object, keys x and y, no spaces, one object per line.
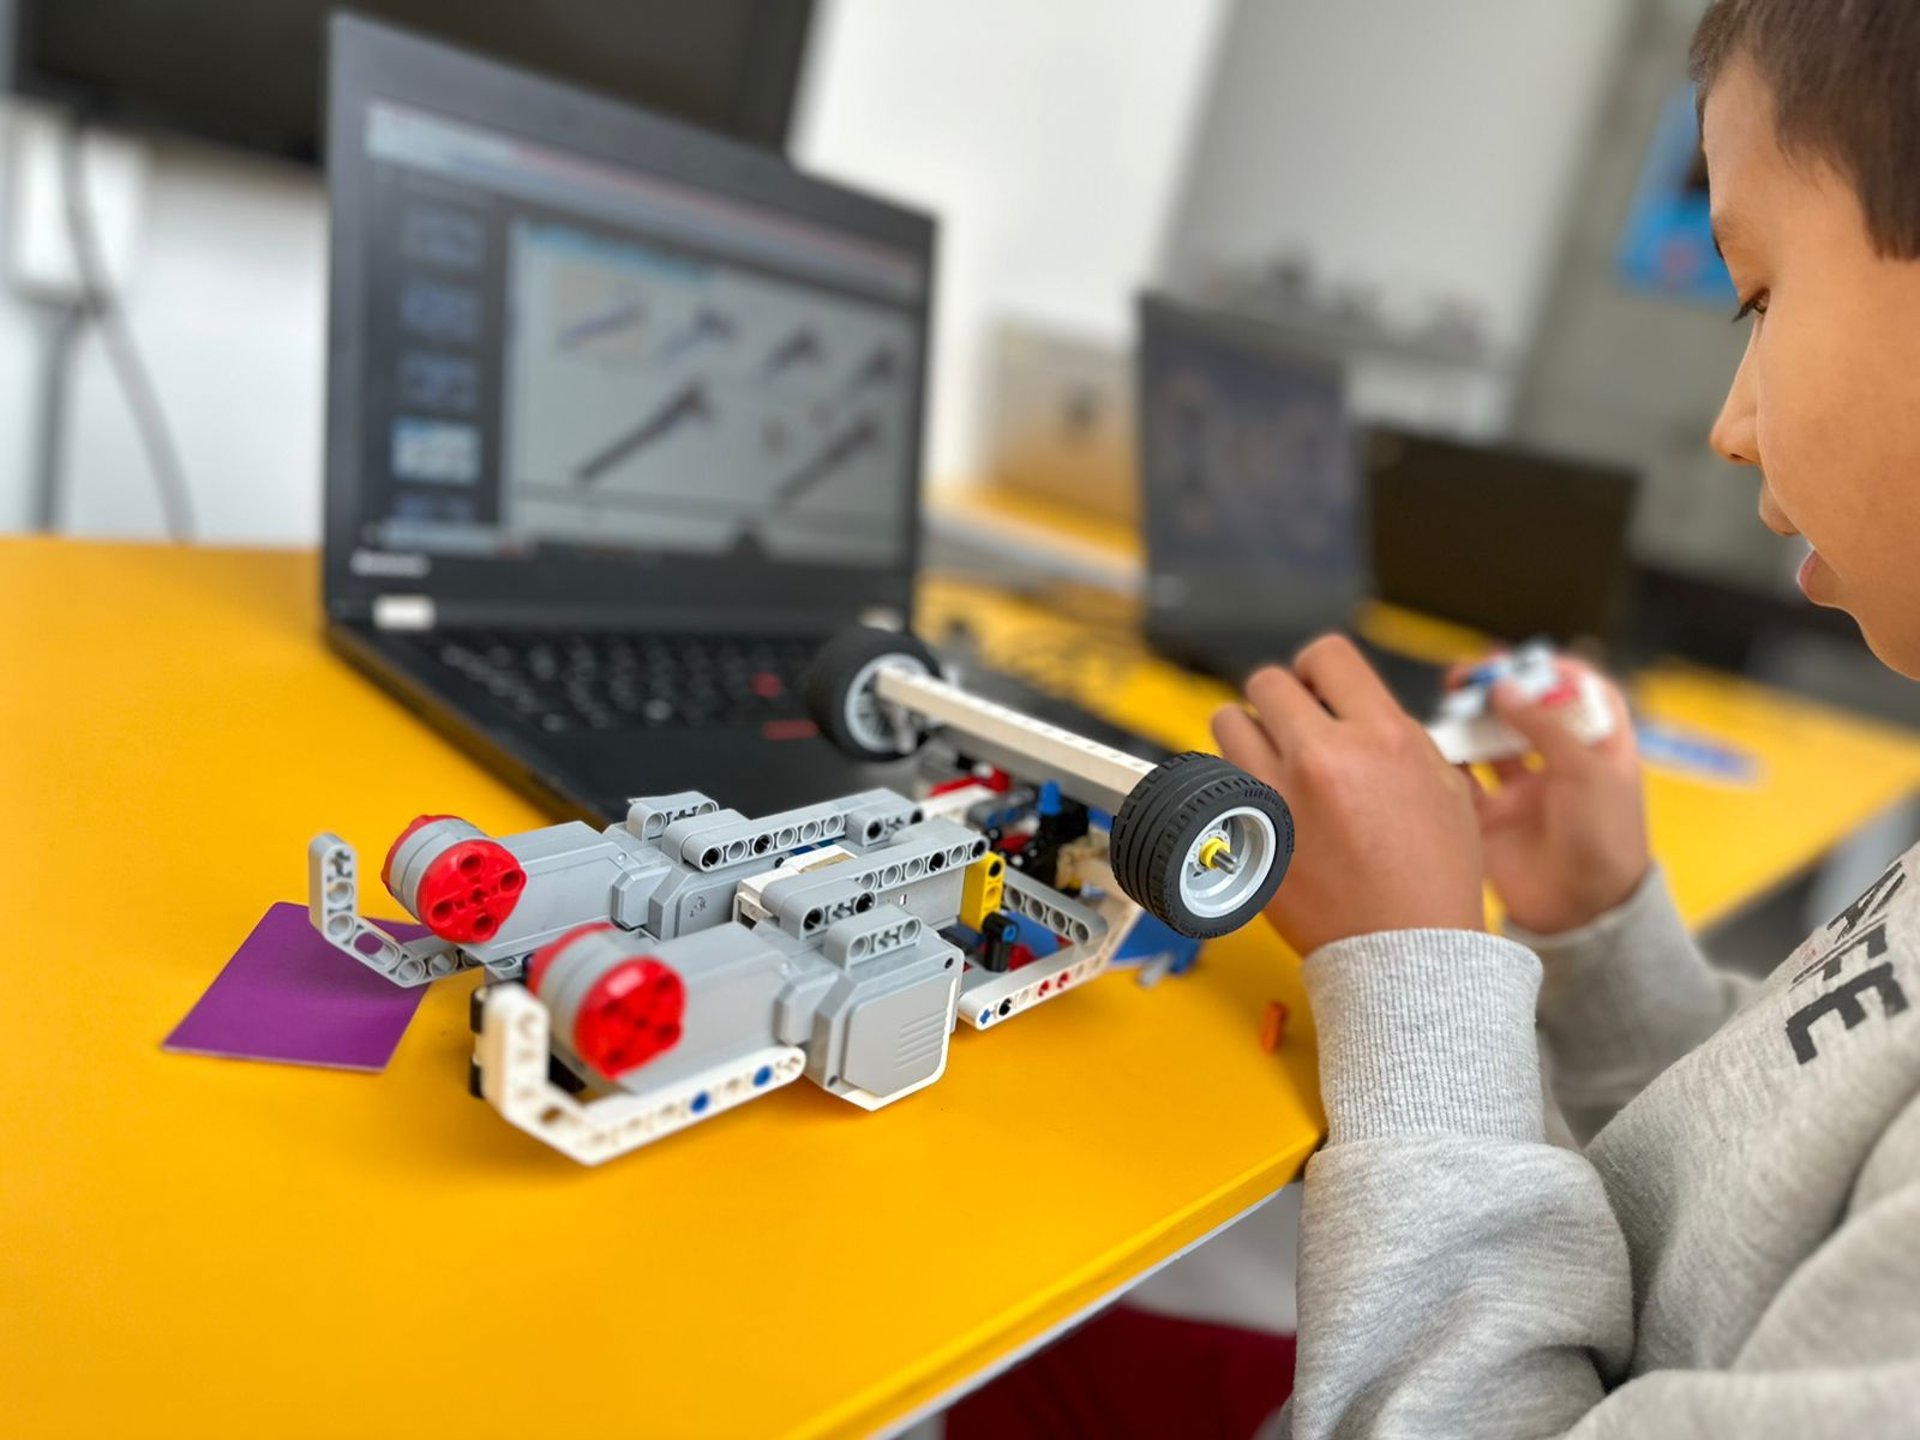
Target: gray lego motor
{"x":1201,"y":845}
{"x":838,"y":691}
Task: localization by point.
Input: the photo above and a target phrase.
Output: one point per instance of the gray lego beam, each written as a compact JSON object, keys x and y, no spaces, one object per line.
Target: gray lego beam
{"x":333,"y":907}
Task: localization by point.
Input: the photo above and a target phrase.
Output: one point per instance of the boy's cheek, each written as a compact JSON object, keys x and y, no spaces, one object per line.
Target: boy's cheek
{"x":1838,"y":446}
{"x":1838,"y":421}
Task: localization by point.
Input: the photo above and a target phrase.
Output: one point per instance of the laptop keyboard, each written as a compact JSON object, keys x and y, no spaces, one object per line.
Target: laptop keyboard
{"x":623,"y":682}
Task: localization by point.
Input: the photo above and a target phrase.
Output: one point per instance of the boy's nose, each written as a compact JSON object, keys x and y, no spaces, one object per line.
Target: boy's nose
{"x":1736,"y":434}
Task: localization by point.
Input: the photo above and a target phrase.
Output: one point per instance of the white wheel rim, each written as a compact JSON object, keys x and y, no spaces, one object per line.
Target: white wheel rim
{"x":874,"y":725}
{"x":1210,"y":892}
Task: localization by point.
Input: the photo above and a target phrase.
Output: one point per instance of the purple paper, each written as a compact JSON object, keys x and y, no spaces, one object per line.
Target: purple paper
{"x":288,"y":995}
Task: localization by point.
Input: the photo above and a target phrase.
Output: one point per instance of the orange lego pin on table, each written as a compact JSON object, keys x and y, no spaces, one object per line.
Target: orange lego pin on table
{"x":1273,"y":1026}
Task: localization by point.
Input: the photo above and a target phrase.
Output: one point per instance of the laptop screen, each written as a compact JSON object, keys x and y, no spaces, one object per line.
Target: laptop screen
{"x":1249,"y":485}
{"x":609,"y":360}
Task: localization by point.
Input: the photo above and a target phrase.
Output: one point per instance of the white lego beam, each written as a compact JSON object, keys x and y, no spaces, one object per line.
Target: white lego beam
{"x":512,"y":1051}
{"x":986,"y":998}
{"x":1092,"y":773}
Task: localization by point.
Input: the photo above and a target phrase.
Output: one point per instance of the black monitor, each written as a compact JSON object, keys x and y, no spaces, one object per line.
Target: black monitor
{"x":1251,"y":499}
{"x":1506,"y":541}
{"x":248,"y":72}
{"x":594,"y":365}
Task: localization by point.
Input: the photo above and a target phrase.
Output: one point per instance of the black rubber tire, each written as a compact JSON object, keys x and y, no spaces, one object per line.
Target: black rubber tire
{"x":834,"y":671}
{"x":1163,"y":816}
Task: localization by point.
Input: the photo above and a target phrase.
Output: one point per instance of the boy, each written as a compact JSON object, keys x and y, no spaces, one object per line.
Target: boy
{"x":1737,"y":1252}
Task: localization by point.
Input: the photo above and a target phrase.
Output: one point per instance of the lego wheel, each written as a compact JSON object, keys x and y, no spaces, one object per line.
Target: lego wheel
{"x":1201,"y":845}
{"x":840,"y":697}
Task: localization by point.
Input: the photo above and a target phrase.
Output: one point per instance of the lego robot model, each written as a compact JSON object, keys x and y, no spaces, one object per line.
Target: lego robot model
{"x":650,"y":976}
{"x":1469,"y":733}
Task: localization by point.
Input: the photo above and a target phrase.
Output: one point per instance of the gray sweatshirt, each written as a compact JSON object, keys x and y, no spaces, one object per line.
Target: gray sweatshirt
{"x":1735,"y":1253}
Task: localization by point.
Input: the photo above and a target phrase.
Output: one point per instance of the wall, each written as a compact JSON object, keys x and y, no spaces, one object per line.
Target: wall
{"x":1636,"y":378}
{"x":226,"y":299}
{"x":1415,"y":147}
{"x":1412,"y":148}
{"x":1047,"y":137}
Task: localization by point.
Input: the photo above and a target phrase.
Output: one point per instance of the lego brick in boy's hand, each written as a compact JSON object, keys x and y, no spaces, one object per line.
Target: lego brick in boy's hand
{"x":1565,"y":836}
{"x":1468,"y":731}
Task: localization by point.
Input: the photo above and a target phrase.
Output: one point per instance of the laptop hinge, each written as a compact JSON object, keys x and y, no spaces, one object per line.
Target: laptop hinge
{"x":403,"y":612}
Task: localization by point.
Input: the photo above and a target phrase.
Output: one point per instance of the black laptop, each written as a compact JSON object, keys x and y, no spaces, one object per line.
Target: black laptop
{"x":1270,"y":515}
{"x":1252,"y":497}
{"x":623,"y":420}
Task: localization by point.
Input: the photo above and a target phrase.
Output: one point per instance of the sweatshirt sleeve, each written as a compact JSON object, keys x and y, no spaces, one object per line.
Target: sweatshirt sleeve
{"x":1459,"y":1276}
{"x":1623,"y":998}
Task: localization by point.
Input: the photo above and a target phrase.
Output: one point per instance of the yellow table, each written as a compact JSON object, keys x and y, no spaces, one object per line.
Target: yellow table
{"x":196,"y":1246}
{"x":208,"y":1247}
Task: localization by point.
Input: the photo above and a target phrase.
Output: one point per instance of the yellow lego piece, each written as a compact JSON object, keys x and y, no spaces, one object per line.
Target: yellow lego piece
{"x":1212,"y":850}
{"x":981,"y":893}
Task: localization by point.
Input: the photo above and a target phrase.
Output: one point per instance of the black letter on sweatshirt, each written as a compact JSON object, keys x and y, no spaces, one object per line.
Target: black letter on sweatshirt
{"x":1874,"y":941}
{"x":1879,"y":895}
{"x":1846,"y":1004}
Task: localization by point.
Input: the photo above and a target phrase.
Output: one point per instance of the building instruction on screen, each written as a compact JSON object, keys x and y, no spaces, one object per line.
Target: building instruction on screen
{"x":657,"y":401}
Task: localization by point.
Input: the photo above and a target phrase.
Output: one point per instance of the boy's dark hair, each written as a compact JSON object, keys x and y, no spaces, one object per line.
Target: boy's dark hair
{"x":1845,"y":77}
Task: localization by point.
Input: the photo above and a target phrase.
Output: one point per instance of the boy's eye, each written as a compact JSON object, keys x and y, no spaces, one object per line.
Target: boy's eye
{"x":1755,"y":306}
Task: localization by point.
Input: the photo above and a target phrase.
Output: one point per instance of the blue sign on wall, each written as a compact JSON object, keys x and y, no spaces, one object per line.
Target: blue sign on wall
{"x":1667,"y":246}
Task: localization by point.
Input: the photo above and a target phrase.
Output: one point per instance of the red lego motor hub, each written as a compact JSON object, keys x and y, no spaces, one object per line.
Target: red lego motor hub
{"x":469,"y":890}
{"x":632,"y":1013}
{"x":458,"y":881}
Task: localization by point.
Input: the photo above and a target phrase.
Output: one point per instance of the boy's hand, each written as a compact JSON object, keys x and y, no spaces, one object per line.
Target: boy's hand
{"x":1387,"y":838}
{"x":1566,"y":838}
